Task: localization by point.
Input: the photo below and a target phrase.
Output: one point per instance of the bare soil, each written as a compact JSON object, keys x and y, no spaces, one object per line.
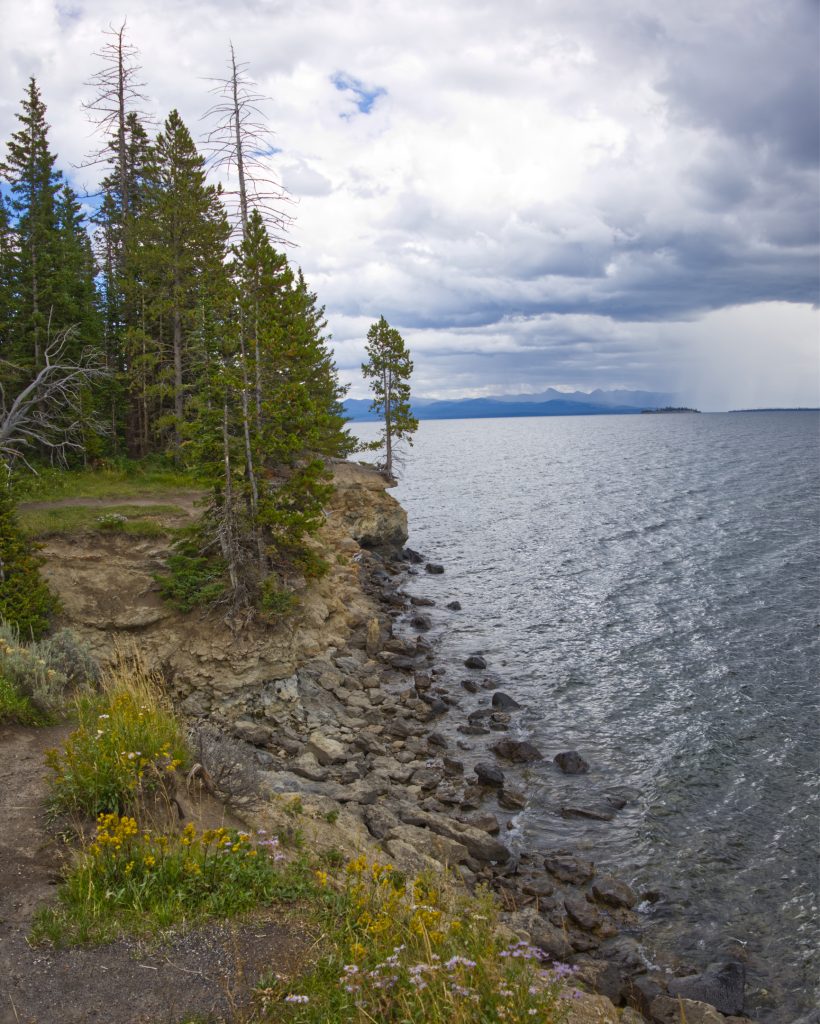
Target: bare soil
{"x":205,"y":973}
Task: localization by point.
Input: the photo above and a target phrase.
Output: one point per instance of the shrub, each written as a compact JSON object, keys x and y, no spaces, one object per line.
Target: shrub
{"x":424,"y":952}
{"x":134,"y":880}
{"x":25,"y":599}
{"x":16,"y":708}
{"x":126,"y":744}
{"x":192,"y":579}
{"x":42,"y":672}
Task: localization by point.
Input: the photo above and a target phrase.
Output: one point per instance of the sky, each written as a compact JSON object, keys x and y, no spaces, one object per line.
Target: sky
{"x":612,"y":193}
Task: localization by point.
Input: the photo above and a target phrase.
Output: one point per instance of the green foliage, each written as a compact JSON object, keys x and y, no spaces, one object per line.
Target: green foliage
{"x":420,"y":952}
{"x":192,"y":579}
{"x":134,"y":520}
{"x":25,"y":599}
{"x":42,"y":673}
{"x":16,"y":708}
{"x":133,"y":880}
{"x":389,"y":368}
{"x":126,"y":743}
{"x":275,"y":600}
{"x":111,"y":478}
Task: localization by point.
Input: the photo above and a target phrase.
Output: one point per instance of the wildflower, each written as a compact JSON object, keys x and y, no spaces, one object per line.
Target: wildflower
{"x":103,"y":716}
{"x":296,"y":999}
{"x":321,"y":878}
{"x":150,"y":861}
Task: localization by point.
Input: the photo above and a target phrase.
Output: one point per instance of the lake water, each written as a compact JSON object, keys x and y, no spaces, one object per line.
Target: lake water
{"x":648,"y":587}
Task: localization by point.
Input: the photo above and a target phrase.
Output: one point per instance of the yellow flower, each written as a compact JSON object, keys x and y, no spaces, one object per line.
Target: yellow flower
{"x":321,"y":878}
{"x":150,"y":861}
{"x":129,"y":867}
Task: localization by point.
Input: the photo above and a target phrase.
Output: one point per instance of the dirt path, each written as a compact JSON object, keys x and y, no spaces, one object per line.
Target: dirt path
{"x":205,"y":973}
{"x":183,"y":499}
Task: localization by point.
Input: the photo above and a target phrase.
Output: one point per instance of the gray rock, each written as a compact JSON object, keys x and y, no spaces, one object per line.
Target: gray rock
{"x":553,"y":941}
{"x":511,"y":799}
{"x":452,"y":766}
{"x":486,"y":822}
{"x":252,"y":732}
{"x":488,"y":774}
{"x":582,"y":912}
{"x":539,"y":886}
{"x":422,"y":602}
{"x":571,"y":763}
{"x":566,"y":867}
{"x":475,"y":661}
{"x":325,"y":749}
{"x":380,"y":820}
{"x":421,"y":621}
{"x":473,"y":730}
{"x":517,"y":751}
{"x":435,"y":739}
{"x":595,"y":812}
{"x":665,"y":1010}
{"x":454,"y":606}
{"x":721,"y":985}
{"x":642,"y":991}
{"x":480,"y":845}
{"x":307,"y":767}
{"x":434,"y":568}
{"x":504,"y":702}
{"x":613,"y":892}
{"x":470,"y":685}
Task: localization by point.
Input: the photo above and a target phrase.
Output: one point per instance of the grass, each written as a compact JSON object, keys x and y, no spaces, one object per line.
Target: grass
{"x":37,"y":677}
{"x":136,"y":881}
{"x":133,"y":520}
{"x":125,"y":745}
{"x":120,"y":479}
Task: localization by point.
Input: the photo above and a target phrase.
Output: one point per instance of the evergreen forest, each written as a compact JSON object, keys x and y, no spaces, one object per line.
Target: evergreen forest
{"x":171,"y":327}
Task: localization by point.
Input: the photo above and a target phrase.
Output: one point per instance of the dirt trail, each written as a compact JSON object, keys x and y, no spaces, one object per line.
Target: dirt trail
{"x":204,"y":973}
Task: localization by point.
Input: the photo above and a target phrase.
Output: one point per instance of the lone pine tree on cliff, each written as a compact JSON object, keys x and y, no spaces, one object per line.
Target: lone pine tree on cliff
{"x":388,"y":368}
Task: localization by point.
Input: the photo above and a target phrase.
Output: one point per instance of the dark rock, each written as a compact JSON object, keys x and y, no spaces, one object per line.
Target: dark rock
{"x":401,"y":662}
{"x":596,"y":812}
{"x":641,"y":992}
{"x":566,"y":867}
{"x":379,"y":820}
{"x":511,"y":799}
{"x":721,"y":985}
{"x":434,"y":568}
{"x":582,"y":942}
{"x":479,"y":716}
{"x":613,"y":892}
{"x":553,"y":941}
{"x":452,"y":766}
{"x":615,"y":801}
{"x":413,"y":557}
{"x":264,"y":758}
{"x":486,"y":822}
{"x":490,"y":683}
{"x":473,"y":730}
{"x":435,"y":739}
{"x":252,"y":732}
{"x":504,"y":702}
{"x":422,"y":681}
{"x":601,"y":976}
{"x":398,"y":728}
{"x":470,"y":685}
{"x":422,"y":602}
{"x":571,"y":763}
{"x":582,"y":912}
{"x":437,"y":707}
{"x":475,"y":661}
{"x":517,"y":751}
{"x":473,"y":798}
{"x":421,"y":621}
{"x":427,"y":778}
{"x":454,"y":606}
{"x":539,"y":886}
{"x":489,"y":774}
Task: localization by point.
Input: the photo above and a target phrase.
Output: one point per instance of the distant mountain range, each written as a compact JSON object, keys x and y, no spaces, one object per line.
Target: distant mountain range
{"x":545,"y":403}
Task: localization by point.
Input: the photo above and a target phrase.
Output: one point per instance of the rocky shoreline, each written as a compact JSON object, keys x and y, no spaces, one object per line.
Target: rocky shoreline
{"x":345,"y":710}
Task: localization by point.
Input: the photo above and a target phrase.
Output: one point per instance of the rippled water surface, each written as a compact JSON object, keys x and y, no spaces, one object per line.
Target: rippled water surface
{"x":649,"y":589}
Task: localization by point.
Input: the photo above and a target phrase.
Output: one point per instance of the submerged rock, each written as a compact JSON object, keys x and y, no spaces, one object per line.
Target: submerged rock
{"x":613,"y":892}
{"x":434,"y":568}
{"x":475,"y":661}
{"x":517,"y":751}
{"x":454,"y":606}
{"x":721,"y":985}
{"x":571,"y":763}
{"x":504,"y":702}
{"x":566,"y":867}
{"x":488,"y":774}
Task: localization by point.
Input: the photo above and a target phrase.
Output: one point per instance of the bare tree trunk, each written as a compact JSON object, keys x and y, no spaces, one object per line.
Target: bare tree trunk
{"x":240,"y":156}
{"x":178,"y":397}
{"x":228,"y":536}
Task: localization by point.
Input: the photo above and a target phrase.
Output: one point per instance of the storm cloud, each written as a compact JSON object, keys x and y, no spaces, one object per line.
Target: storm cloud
{"x":589,"y":195}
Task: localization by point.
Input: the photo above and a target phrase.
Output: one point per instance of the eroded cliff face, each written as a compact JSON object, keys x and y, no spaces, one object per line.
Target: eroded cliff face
{"x":109,"y":596}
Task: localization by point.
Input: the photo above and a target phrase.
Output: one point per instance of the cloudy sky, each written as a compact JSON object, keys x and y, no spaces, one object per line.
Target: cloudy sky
{"x":598,"y":194}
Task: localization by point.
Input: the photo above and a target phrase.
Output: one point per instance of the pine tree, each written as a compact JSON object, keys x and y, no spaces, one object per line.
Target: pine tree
{"x":76,"y":301}
{"x":389,"y":368}
{"x":25,"y":599}
{"x":8,"y":260}
{"x":182,"y":235}
{"x":29,"y":170}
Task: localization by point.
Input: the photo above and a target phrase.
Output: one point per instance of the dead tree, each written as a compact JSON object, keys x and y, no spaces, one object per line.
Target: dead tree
{"x":240,"y":143}
{"x":47,"y":414}
{"x":117,"y":90}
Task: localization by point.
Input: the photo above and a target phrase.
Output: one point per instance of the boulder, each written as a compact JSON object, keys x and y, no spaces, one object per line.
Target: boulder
{"x":553,"y":941}
{"x":613,"y":892}
{"x":443,"y":849}
{"x":479,"y":843}
{"x":721,"y":985}
{"x":422,"y":602}
{"x":454,"y":606}
{"x":434,"y":568}
{"x":470,"y":685}
{"x":582,"y":912}
{"x":325,"y":749}
{"x":511,"y":799}
{"x":566,"y":867}
{"x":504,"y":702}
{"x":380,"y":820}
{"x":421,"y":621}
{"x":252,"y":732}
{"x":517,"y":751}
{"x":595,"y":812}
{"x":489,"y":775}
{"x":475,"y":661}
{"x":571,"y":763}
{"x":411,"y":556}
